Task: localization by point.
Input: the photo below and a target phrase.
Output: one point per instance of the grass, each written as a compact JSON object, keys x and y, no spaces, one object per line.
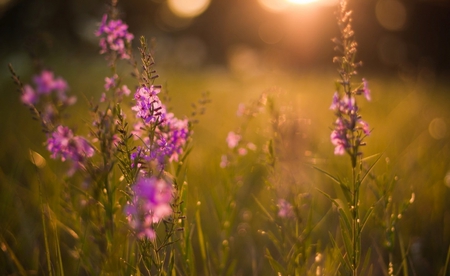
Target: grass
{"x":230,"y":226}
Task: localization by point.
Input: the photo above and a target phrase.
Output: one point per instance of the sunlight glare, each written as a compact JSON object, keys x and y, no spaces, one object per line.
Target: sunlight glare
{"x":188,"y":8}
{"x":301,"y":2}
{"x":283,"y":5}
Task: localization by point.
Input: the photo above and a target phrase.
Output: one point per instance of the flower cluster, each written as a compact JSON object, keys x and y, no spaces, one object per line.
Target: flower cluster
{"x":349,"y":129}
{"x":47,"y":85}
{"x":285,"y":209}
{"x":114,"y":37}
{"x":173,"y":136}
{"x":164,"y":135}
{"x":62,"y":143}
{"x":148,"y":105}
{"x":233,"y":139}
{"x":113,"y":83}
{"x":348,"y":125}
{"x":150,"y":203}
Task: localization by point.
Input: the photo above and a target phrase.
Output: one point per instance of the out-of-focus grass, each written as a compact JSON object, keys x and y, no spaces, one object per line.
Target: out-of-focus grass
{"x":409,"y":116}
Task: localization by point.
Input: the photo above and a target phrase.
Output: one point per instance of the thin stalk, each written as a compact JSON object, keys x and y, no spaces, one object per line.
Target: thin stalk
{"x":47,"y":248}
{"x":355,"y":216}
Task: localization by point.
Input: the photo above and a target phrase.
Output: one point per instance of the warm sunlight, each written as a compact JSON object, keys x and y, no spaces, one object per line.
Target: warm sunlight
{"x":189,"y":8}
{"x":282,"y":5}
{"x":301,"y":1}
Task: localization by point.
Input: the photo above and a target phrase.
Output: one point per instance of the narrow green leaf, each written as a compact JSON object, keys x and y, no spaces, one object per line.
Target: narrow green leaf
{"x":341,"y":257}
{"x":275,"y":240}
{"x":345,"y":219}
{"x":201,"y":240}
{"x":404,"y":256}
{"x":328,"y":196}
{"x":365,"y":264}
{"x":263,"y":208}
{"x":12,"y":256}
{"x":371,"y":156}
{"x":328,"y":174}
{"x":171,"y":267}
{"x":366,"y":218}
{"x":347,"y":242}
{"x":370,"y":169}
{"x":276,"y":266}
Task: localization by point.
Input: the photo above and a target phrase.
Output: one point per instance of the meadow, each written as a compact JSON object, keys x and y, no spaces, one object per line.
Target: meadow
{"x":227,"y":210}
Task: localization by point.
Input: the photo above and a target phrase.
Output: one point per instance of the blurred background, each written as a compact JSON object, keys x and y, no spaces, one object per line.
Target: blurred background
{"x":392,"y":34}
{"x":236,"y":50}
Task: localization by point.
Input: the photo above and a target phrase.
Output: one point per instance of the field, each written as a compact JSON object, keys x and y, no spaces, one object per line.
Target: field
{"x":256,"y":187}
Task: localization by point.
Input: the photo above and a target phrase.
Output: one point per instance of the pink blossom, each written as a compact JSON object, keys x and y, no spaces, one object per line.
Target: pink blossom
{"x":233,"y":139}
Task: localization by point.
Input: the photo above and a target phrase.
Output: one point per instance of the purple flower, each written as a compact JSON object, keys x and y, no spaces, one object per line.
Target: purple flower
{"x":149,"y":204}
{"x":63,"y":144}
{"x":233,"y":139}
{"x":339,"y":140}
{"x":366,"y":89}
{"x":46,"y":83}
{"x":114,"y":37}
{"x":365,"y":127}
{"x":29,"y":96}
{"x":148,"y":106}
{"x":175,"y":133}
{"x":224,"y":161}
{"x":241,"y":110}
{"x":110,"y":82}
{"x":285,"y":209}
{"x":123,"y":91}
{"x":335,"y":102}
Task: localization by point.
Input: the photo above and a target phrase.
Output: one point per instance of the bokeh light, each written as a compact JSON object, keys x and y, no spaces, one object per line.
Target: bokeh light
{"x":168,"y":21}
{"x":283,"y":5}
{"x":437,"y":128}
{"x":447,"y":179}
{"x":301,"y":1}
{"x":391,"y":14}
{"x":188,"y":8}
{"x":271,"y":32}
{"x":244,"y":61}
{"x":274,"y":5}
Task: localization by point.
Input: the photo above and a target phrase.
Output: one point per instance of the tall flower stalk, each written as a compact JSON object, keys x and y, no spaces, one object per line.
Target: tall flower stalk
{"x":348,"y":135}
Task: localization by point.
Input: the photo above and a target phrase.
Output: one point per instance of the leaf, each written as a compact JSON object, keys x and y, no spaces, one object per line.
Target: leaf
{"x":171,"y":268}
{"x":347,"y":241}
{"x":345,"y":219}
{"x":366,"y":218}
{"x":201,"y":239}
{"x":370,"y":168}
{"x":341,"y":257}
{"x":276,"y":266}
{"x":263,"y":209}
{"x":345,"y":189}
{"x":365,"y":265}
{"x":328,"y":174}
{"x":328,"y":196}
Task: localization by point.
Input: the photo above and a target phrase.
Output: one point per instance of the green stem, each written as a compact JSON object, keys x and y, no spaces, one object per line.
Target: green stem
{"x":355,"y":222}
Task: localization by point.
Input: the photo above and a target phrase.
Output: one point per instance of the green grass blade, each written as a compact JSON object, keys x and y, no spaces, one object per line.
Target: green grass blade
{"x":332,"y":177}
{"x":404,"y":256}
{"x":10,"y":252}
{"x":276,"y":266}
{"x":341,"y":257}
{"x":366,"y":218}
{"x":201,"y":240}
{"x":365,"y":264}
{"x":370,"y":168}
{"x":263,"y":208}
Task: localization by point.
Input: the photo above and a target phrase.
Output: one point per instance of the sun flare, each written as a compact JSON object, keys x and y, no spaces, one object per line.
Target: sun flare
{"x":300,"y":2}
